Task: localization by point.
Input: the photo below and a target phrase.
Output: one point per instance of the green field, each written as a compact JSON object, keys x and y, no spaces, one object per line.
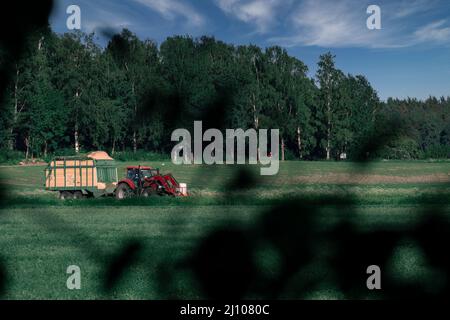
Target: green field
{"x":40,"y":236}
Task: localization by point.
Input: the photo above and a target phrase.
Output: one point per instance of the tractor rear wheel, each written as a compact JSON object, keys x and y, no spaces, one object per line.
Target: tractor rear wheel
{"x":123,"y":191}
{"x":65,"y":195}
{"x":78,"y":195}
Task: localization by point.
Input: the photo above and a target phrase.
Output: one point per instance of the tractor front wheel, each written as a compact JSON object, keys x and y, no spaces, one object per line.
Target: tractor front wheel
{"x":148,"y":192}
{"x":123,"y":191}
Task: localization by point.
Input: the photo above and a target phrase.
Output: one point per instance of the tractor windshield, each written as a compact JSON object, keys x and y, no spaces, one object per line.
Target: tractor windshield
{"x":147,"y":173}
{"x":133,"y":173}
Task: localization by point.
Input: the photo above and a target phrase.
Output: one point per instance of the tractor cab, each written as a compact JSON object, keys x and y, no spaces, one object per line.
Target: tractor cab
{"x":141,"y":173}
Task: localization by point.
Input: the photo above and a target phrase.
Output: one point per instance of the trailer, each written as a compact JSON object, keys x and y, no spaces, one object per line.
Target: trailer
{"x":93,"y":175}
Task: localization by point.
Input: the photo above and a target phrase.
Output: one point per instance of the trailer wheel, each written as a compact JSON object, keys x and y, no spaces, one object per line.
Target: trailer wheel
{"x":78,"y":195}
{"x":65,"y":195}
{"x":123,"y":191}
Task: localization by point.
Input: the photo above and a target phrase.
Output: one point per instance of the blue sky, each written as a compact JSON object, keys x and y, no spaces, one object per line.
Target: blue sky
{"x":408,"y":57}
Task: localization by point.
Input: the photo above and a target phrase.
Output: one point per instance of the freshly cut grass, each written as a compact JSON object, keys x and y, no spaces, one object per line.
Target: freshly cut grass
{"x":292,"y":173}
{"x":379,"y":182}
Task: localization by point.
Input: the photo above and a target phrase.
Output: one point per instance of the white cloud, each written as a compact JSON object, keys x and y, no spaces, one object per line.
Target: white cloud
{"x":327,"y":23}
{"x":408,"y":8}
{"x":333,"y":24}
{"x":261,"y":13}
{"x":322,"y":23}
{"x":437,"y":31}
{"x":171,"y":9}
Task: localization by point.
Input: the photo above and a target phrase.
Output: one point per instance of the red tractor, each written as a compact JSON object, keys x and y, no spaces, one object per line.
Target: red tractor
{"x":145,"y":181}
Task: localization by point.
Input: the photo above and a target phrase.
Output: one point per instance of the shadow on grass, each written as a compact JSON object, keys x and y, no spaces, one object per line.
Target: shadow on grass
{"x":17,"y":20}
{"x":289,"y":251}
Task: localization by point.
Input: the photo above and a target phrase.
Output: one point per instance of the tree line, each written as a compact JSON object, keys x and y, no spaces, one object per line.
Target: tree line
{"x":69,"y":95}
